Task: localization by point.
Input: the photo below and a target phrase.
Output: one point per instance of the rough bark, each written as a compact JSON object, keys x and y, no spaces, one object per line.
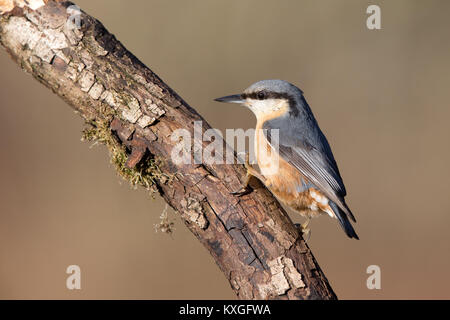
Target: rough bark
{"x":134,"y":113}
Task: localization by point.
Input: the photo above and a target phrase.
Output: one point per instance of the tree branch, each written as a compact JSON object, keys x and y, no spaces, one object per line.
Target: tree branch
{"x":134,"y":113}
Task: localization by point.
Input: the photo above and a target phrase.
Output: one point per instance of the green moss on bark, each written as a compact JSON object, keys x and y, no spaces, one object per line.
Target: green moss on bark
{"x":146,"y":173}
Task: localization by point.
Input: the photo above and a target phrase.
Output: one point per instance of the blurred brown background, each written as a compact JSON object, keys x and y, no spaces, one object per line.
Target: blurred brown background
{"x":381,"y":97}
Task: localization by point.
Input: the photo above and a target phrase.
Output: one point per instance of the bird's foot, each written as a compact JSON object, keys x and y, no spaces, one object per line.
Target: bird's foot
{"x":306,"y":233}
{"x":242,"y":192}
{"x":246,"y":189}
{"x":247,"y":164}
{"x":304,"y":229}
{"x":252,"y":172}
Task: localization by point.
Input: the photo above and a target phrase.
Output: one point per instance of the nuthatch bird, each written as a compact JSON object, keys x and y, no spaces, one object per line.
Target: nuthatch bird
{"x":307,"y":178}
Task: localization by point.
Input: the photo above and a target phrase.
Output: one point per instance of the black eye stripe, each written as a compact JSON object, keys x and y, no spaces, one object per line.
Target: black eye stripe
{"x":272,"y":95}
{"x":262,"y":95}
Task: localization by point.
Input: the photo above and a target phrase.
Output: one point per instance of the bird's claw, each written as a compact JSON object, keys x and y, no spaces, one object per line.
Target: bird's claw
{"x":245,"y":189}
{"x":242,"y":192}
{"x":303,"y":228}
{"x":247,"y":161}
{"x":306,"y":233}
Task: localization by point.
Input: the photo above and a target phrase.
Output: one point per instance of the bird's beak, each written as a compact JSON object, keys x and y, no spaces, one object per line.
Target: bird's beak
{"x":235,"y":98}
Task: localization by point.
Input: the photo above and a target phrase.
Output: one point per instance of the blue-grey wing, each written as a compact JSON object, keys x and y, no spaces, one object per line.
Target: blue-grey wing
{"x":306,"y":148}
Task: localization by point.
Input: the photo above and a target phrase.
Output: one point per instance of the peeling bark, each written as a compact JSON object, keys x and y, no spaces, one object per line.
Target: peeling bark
{"x":251,"y":238}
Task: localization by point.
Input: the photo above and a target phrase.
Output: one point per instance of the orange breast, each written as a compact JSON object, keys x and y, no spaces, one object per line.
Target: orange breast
{"x":286,"y":182}
{"x":281,"y":178}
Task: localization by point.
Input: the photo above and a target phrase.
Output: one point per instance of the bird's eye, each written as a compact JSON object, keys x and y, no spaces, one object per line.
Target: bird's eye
{"x":261,"y":95}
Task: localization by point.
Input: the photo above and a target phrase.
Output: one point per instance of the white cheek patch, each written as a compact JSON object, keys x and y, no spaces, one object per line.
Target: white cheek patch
{"x":265,"y":107}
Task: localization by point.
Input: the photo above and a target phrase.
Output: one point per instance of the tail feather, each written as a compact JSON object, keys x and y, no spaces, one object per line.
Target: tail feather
{"x":343,"y":221}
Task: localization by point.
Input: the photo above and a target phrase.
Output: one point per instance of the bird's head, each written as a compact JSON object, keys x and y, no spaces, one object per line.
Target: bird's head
{"x":268,"y":98}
